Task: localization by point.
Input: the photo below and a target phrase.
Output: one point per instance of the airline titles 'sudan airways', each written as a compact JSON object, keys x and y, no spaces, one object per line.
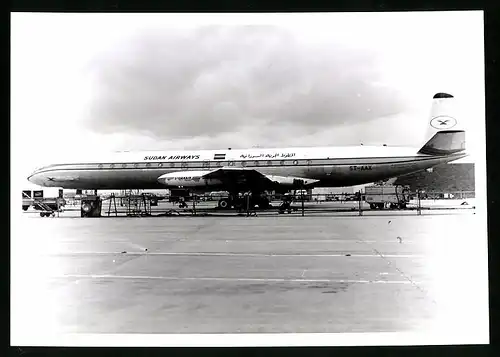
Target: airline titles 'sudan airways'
{"x":258,"y":170}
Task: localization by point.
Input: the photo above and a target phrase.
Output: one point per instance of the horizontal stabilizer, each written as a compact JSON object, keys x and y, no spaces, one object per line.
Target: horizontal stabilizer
{"x":445,"y":142}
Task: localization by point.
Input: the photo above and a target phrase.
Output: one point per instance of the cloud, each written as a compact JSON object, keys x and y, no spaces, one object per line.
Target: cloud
{"x":205,"y":82}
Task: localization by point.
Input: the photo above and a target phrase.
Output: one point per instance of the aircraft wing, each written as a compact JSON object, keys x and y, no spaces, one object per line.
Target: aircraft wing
{"x":249,"y":178}
{"x":253,"y":179}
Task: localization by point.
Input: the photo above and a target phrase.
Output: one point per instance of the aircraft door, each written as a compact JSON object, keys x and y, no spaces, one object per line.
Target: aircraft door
{"x":310,"y":167}
{"x":328,"y":169}
{"x":319,"y":168}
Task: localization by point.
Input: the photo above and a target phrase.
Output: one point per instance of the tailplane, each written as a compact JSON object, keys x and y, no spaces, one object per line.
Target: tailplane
{"x":445,"y":143}
{"x":445,"y":133}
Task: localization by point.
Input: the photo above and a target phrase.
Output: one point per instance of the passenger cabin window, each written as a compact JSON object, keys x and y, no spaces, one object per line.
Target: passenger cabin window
{"x":160,"y":164}
{"x":295,"y":162}
{"x":148,"y":164}
{"x":99,"y":166}
{"x":243,"y":163}
{"x":111,"y":166}
{"x":184,"y":165}
{"x":231,"y":163}
{"x":136,"y":165}
{"x":269,"y":163}
{"x":282,"y":162}
{"x":172,"y":164}
{"x":256,"y":163}
{"x":124,"y":165}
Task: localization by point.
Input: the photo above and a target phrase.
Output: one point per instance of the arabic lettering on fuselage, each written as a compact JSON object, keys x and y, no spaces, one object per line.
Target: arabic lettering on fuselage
{"x":173,"y":157}
{"x":268,"y":156}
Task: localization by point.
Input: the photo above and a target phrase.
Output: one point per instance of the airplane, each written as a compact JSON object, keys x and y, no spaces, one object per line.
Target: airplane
{"x":259,"y":170}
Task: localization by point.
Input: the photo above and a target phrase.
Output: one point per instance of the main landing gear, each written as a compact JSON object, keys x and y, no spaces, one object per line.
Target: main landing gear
{"x":241,"y":201}
{"x":286,"y":204}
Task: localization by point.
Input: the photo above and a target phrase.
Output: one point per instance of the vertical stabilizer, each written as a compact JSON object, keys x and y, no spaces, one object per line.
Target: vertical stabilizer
{"x":444,"y":134}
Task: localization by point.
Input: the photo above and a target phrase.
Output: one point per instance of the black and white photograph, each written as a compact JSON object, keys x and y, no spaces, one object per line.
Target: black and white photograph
{"x":258,"y":179}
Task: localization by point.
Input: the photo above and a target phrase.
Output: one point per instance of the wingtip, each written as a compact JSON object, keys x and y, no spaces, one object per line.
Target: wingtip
{"x":442,"y":95}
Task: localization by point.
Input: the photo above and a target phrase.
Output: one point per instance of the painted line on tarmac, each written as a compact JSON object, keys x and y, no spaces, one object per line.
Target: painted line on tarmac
{"x":146,"y":277}
{"x":219,"y":254}
{"x":175,"y":240}
{"x":281,"y":241}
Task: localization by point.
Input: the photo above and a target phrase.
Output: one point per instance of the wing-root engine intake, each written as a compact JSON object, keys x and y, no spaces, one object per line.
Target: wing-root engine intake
{"x":188,"y":179}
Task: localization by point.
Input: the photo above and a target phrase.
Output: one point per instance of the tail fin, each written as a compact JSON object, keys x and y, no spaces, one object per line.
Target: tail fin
{"x":444,"y":131}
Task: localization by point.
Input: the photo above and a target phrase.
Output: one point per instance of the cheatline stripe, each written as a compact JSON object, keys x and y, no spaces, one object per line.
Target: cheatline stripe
{"x":348,"y":160}
{"x":199,"y":164}
{"x":219,"y":254}
{"x":146,"y":277}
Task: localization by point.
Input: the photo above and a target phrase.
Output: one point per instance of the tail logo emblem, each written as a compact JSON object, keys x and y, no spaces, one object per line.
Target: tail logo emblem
{"x":443,"y":122}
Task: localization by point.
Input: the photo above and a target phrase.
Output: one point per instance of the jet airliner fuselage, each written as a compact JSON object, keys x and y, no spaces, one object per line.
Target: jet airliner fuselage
{"x":324,"y":167}
{"x":258,"y":170}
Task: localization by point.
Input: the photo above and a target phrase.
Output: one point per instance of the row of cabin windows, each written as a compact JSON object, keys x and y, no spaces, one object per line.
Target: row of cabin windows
{"x":205,"y":164}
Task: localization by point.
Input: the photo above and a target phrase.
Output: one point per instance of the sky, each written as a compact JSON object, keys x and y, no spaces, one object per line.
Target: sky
{"x":89,"y":83}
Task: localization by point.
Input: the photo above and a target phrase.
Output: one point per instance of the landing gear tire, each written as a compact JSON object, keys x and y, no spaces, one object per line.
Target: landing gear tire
{"x":223,"y":203}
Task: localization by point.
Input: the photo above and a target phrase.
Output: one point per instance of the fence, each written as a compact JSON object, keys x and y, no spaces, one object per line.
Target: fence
{"x":140,"y":205}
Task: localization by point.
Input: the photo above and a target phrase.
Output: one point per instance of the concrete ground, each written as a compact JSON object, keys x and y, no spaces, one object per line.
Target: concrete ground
{"x":350,"y":208}
{"x":249,"y":274}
